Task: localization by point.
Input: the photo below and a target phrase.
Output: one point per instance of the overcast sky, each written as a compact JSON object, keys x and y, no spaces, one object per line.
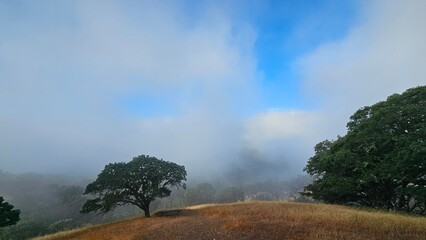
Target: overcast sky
{"x":227,"y":88}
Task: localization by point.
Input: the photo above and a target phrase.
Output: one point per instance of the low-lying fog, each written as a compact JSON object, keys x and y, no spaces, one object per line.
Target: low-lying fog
{"x":85,"y":84}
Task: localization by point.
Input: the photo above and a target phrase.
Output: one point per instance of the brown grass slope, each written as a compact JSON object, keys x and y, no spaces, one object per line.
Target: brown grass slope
{"x":260,"y":220}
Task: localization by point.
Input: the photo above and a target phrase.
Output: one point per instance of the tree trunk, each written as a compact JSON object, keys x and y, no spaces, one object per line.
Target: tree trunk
{"x":146,"y":211}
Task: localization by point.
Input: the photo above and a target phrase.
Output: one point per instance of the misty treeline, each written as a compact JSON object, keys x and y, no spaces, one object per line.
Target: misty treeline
{"x":47,"y":203}
{"x":51,"y":203}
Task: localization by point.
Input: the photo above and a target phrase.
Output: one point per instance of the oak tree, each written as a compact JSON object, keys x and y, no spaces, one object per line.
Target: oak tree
{"x":381,"y":161}
{"x":138,"y":182}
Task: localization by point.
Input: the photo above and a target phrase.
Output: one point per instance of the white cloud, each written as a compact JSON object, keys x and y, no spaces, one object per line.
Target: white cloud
{"x":285,"y":137}
{"x":280,"y":124}
{"x":60,"y":84}
{"x":385,"y":54}
{"x":155,"y":47}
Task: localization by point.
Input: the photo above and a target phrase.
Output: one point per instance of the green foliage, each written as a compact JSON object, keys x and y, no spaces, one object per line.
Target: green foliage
{"x":27,"y":228}
{"x":138,"y":182}
{"x":37,"y":196}
{"x":8,"y":216}
{"x":381,"y":162}
{"x":229,"y":194}
{"x":45,"y":200}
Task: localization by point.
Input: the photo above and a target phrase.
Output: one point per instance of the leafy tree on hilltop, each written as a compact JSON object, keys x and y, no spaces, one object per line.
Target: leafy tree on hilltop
{"x":138,"y":182}
{"x":381,"y":162}
{"x":8,"y":216}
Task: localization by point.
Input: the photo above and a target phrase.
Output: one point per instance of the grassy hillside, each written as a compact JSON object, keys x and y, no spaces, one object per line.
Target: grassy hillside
{"x":260,"y":220}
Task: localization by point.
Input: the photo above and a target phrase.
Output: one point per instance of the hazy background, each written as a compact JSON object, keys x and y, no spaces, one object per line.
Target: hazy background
{"x":242,"y":89}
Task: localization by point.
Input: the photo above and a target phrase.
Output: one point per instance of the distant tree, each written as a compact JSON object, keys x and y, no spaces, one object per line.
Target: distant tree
{"x":200,"y":194}
{"x":69,"y":200}
{"x":381,"y":162}
{"x":229,"y":194}
{"x":138,"y":182}
{"x":8,"y":216}
{"x":27,"y":228}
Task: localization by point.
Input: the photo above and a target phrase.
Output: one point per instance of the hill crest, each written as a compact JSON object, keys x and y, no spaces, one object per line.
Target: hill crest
{"x":260,"y":220}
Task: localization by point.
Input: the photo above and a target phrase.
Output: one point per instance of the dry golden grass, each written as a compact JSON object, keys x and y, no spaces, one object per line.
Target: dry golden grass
{"x":261,"y":220}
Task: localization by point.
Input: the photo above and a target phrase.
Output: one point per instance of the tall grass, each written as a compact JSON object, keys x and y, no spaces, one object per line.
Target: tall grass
{"x":319,"y":221}
{"x":262,"y":220}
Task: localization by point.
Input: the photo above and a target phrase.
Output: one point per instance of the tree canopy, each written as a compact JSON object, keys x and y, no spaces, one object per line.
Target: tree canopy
{"x":381,"y":161}
{"x":8,"y":216}
{"x":138,"y":182}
